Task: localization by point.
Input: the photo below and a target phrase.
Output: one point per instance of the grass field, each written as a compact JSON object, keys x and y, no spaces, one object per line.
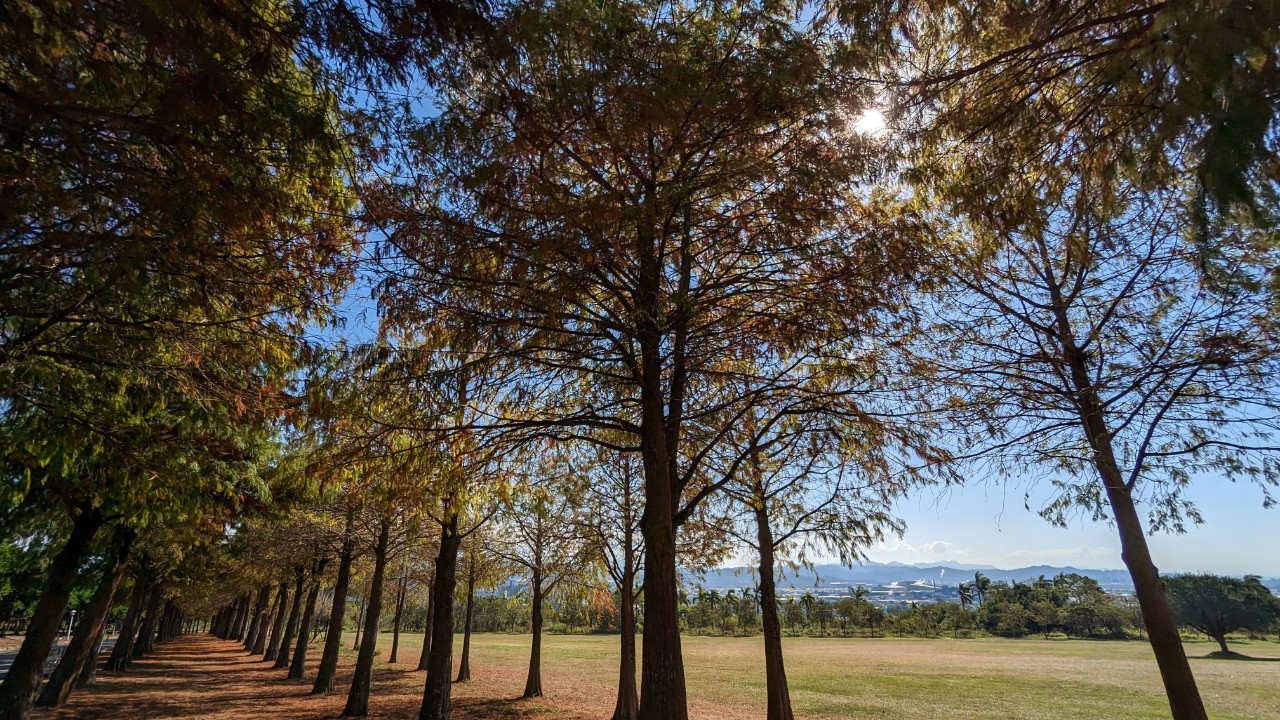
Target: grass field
{"x":887,"y":677}
{"x":199,"y":677}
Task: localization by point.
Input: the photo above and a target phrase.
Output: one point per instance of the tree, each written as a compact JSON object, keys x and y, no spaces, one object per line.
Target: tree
{"x":981,"y":586}
{"x":484,"y":570}
{"x":81,"y":649}
{"x":1090,"y":334}
{"x":358,"y":697}
{"x":131,"y":346}
{"x":609,"y":521}
{"x":803,"y":481}
{"x":337,"y":614}
{"x":621,"y":237}
{"x":399,"y":612}
{"x":542,"y":541}
{"x":1217,"y":605}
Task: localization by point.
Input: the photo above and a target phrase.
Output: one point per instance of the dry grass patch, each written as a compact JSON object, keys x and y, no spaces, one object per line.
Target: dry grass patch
{"x":200,"y":677}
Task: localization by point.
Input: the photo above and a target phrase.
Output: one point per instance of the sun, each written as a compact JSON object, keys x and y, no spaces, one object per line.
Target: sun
{"x":871,"y":122}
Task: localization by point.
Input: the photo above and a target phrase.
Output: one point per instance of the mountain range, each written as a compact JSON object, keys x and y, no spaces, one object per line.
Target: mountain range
{"x":874,"y":573}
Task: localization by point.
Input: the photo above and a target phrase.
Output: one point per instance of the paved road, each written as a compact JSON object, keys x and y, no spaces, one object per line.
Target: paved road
{"x":6,"y":659}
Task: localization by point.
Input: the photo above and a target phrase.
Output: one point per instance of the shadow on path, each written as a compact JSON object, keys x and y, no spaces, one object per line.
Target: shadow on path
{"x":197,"y":676}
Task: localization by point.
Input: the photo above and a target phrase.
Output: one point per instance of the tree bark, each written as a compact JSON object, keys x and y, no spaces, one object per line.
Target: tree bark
{"x":662,"y":684}
{"x":436,"y":702}
{"x":464,"y":666}
{"x":333,"y":636}
{"x":89,"y":670}
{"x":395,"y":624}
{"x":122,"y":653}
{"x":661,"y":379}
{"x":18,"y":690}
{"x":256,"y":607}
{"x":298,"y":666}
{"x":291,"y":626}
{"x":777,"y":693}
{"x":277,"y":626}
{"x":627,"y":706}
{"x":425,"y":657}
{"x":1162,"y":630}
{"x":242,"y":615}
{"x":358,"y":696}
{"x":533,"y":683}
{"x":364,"y":604}
{"x":1222,"y":642}
{"x":145,"y":642}
{"x":260,"y":620}
{"x":80,"y":650}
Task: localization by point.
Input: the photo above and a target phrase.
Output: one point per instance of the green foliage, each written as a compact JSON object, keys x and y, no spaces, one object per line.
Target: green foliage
{"x":174,"y":210}
{"x":1165,"y":90}
{"x":1071,"y":604}
{"x":1217,"y":605}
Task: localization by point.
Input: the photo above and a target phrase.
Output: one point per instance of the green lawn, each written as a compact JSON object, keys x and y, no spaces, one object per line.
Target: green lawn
{"x":890,"y":677}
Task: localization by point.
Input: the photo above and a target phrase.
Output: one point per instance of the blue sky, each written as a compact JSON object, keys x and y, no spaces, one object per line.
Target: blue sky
{"x":987,"y":524}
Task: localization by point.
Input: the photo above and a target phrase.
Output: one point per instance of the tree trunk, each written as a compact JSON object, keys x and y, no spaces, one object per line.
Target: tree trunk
{"x":1162,"y":631}
{"x":662,"y":682}
{"x":464,"y":667}
{"x":333,"y":636}
{"x":291,"y":626}
{"x":1222,"y":642}
{"x":263,"y":627}
{"x":256,"y":609}
{"x":84,"y":641}
{"x":436,"y":702}
{"x":364,"y":603}
{"x":242,"y":615}
{"x":145,"y":642}
{"x":627,"y":706}
{"x":277,"y":626}
{"x":122,"y":653}
{"x":395,"y":624}
{"x":165,"y":624}
{"x":358,"y":697}
{"x":18,"y":690}
{"x":425,"y":657}
{"x":777,"y":692}
{"x":533,"y":683}
{"x":298,"y":666}
{"x":89,"y":670}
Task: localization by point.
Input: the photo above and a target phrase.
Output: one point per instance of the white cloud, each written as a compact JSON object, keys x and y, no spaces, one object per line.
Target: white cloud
{"x":903,"y":551}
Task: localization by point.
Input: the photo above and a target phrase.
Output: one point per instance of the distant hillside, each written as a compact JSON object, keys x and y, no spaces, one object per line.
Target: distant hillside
{"x":874,"y":573}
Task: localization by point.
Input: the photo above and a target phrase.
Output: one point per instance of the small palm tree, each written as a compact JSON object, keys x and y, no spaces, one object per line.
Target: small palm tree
{"x":966,"y":594}
{"x":807,"y":602}
{"x":981,"y":584}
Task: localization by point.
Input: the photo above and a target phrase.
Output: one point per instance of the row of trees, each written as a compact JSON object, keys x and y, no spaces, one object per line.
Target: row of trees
{"x":646,"y":296}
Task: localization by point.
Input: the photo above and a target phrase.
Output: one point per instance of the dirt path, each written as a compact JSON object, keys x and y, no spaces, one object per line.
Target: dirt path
{"x":199,"y":676}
